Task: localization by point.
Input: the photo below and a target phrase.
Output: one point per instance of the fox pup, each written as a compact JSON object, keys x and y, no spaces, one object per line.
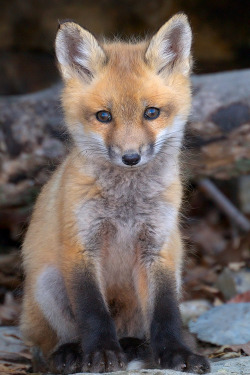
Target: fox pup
{"x":103,"y":252}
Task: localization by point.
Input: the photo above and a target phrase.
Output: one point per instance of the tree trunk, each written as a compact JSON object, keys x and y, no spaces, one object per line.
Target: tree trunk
{"x":33,"y":138}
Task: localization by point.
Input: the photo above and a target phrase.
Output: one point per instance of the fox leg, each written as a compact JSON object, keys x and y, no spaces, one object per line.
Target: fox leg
{"x":75,"y":309}
{"x":47,"y":323}
{"x":34,"y":326}
{"x":161,"y":306}
{"x":95,"y":326}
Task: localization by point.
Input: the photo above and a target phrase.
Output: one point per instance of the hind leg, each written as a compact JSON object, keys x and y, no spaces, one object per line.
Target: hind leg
{"x":35,"y":329}
{"x":48,"y":322}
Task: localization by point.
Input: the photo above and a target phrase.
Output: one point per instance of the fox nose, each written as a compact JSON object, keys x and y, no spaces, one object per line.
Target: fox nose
{"x":131,"y":159}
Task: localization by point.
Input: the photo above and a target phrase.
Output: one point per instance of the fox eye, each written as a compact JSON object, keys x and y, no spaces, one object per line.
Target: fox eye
{"x":103,"y":116}
{"x":151,"y":113}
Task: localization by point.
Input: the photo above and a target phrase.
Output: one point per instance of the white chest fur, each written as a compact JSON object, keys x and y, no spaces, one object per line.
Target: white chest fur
{"x":131,"y":201}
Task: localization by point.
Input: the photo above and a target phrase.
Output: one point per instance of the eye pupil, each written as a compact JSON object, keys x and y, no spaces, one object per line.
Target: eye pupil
{"x":103,"y":116}
{"x":151,"y":113}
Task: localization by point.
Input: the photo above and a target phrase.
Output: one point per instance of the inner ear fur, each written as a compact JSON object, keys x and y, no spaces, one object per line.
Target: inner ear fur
{"x":78,"y":52}
{"x":170,"y":47}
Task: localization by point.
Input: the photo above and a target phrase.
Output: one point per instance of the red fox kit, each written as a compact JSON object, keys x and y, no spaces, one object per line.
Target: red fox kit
{"x":103,"y":252}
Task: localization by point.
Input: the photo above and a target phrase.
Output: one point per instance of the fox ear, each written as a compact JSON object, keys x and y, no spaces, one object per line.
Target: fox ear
{"x":78,"y":52}
{"x":170,"y":46}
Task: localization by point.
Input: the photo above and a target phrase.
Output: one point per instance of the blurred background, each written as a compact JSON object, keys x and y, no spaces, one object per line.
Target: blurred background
{"x":32,"y":143}
{"x":28,"y":27}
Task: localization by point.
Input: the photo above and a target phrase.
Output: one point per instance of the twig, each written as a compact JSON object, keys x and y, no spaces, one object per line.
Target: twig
{"x":209,"y":188}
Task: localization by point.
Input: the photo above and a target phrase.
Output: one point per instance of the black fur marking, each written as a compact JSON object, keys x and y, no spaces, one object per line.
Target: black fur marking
{"x":166,"y":337}
{"x":136,"y":349}
{"x":65,"y":20}
{"x":102,"y":351}
{"x":94,"y":321}
{"x":66,"y":359}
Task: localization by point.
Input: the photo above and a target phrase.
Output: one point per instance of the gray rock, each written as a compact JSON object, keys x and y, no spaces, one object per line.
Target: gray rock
{"x":11,"y":341}
{"x":231,"y":283}
{"x":191,"y":310}
{"x":236,"y":366}
{"x":227,"y":324}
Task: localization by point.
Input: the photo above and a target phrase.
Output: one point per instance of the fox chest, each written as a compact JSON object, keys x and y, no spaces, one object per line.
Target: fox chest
{"x":120,"y":225}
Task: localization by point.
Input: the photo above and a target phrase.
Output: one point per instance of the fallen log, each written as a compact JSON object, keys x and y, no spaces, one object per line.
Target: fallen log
{"x":33,"y":138}
{"x":219,"y":130}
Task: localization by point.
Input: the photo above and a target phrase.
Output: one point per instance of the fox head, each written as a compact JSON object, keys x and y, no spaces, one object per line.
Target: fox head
{"x":126,"y":102}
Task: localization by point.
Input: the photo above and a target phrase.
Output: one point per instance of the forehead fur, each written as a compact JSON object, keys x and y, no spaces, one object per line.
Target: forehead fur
{"x":126,"y":57}
{"x":127,"y":72}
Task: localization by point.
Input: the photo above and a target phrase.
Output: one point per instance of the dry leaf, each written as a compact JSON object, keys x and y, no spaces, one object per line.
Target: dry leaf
{"x":244,"y":347}
{"x":9,"y":368}
{"x":242,"y":297}
{"x":225,"y":352}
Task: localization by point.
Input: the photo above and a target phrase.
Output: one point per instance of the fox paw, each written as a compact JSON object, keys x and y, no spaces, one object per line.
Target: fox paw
{"x":104,"y":361}
{"x":67,"y":359}
{"x":182,"y":359}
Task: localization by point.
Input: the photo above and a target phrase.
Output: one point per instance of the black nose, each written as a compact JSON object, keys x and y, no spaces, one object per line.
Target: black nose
{"x":131,"y":159}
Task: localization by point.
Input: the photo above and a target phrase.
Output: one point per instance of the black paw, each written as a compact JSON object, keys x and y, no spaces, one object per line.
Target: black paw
{"x":104,"y":361}
{"x":67,"y":359}
{"x":181,"y":359}
{"x":136,"y":349}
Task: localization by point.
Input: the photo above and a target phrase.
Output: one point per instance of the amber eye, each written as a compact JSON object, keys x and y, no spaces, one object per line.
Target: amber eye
{"x":103,"y":116}
{"x":151,"y":113}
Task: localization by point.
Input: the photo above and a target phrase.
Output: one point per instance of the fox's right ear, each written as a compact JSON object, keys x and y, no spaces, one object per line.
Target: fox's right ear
{"x":78,"y":52}
{"x":170,"y":47}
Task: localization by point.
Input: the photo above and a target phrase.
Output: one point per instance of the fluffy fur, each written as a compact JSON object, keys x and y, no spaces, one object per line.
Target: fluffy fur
{"x":103,"y":252}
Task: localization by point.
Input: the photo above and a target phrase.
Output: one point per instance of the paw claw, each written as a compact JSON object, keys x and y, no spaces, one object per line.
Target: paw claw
{"x":181,"y":359}
{"x":103,"y":361}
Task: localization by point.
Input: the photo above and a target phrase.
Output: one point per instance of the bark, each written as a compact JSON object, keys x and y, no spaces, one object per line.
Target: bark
{"x":219,"y":130}
{"x":33,"y":139}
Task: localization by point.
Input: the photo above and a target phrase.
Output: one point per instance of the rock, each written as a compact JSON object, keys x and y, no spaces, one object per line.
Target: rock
{"x":10,"y":341}
{"x":15,"y":357}
{"x":231,"y":283}
{"x":237,"y":366}
{"x":191,"y":310}
{"x":227,"y":324}
{"x":232,"y":366}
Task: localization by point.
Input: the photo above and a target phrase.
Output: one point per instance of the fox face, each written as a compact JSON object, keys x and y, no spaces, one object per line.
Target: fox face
{"x":126,"y":102}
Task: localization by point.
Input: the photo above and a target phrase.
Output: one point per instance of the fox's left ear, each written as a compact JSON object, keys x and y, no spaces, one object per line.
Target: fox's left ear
{"x":170,"y":47}
{"x":78,"y":52}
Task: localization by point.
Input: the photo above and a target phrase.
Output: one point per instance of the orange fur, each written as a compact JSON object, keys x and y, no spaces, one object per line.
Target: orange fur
{"x":123,"y":79}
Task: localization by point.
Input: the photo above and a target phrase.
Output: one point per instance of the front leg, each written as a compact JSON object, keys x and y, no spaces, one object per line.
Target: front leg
{"x":160,"y":305}
{"x":165,"y":330}
{"x":101,"y":351}
{"x":100,"y":346}
{"x":97,"y":348}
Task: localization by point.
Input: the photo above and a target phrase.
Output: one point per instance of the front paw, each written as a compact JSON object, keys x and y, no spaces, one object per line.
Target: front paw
{"x":182,"y":359}
{"x":104,"y":361}
{"x":66,"y":359}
